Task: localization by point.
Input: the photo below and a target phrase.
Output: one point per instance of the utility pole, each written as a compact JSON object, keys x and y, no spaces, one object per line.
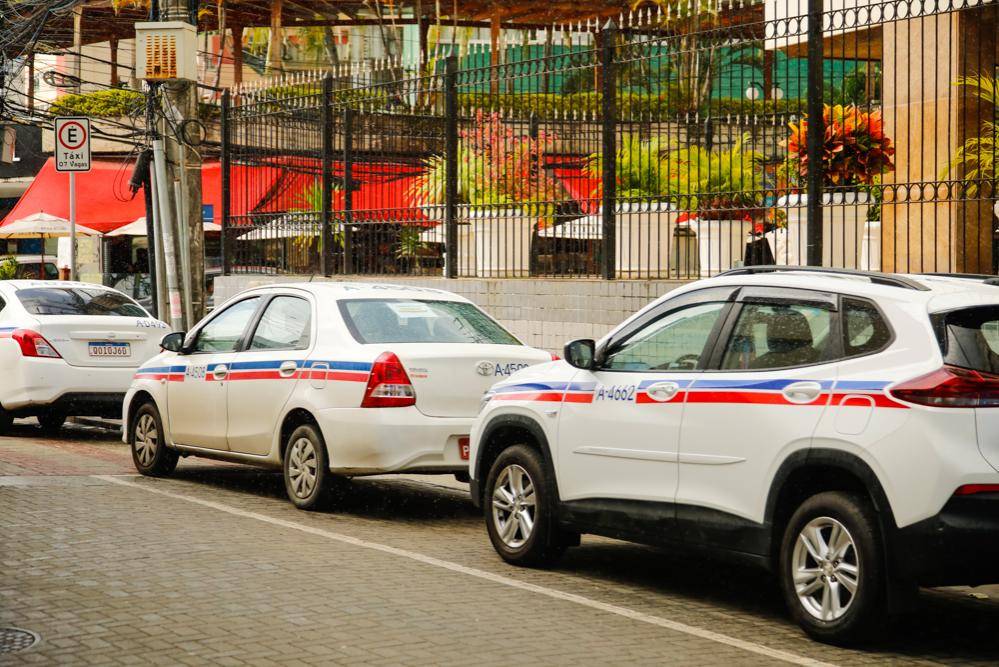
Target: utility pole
{"x":180,"y":128}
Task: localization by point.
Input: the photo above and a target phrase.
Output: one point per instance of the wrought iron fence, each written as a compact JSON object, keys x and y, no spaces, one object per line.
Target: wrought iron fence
{"x":675,"y":143}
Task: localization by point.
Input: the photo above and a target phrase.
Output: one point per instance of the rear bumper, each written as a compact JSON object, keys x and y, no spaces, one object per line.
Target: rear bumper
{"x":958,"y":546}
{"x":375,"y":440}
{"x":34,"y":385}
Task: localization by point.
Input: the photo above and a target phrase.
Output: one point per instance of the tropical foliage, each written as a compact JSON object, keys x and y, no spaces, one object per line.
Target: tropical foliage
{"x":855,"y":149}
{"x":976,"y":158}
{"x":717,"y":184}
{"x":8,"y":268}
{"x":641,"y":168}
{"x":497,"y":166}
{"x":109,"y":103}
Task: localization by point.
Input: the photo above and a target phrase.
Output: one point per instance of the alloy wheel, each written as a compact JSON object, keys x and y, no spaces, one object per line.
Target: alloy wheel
{"x":146,"y":439}
{"x":825,"y":568}
{"x":514,"y":506}
{"x":302,"y":468}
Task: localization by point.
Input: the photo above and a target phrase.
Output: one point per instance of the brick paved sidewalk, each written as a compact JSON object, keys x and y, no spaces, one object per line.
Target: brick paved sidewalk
{"x":111,"y":574}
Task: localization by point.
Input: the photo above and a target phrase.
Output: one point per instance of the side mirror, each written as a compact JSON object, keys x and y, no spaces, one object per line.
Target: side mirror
{"x":173,"y":342}
{"x":580,"y":353}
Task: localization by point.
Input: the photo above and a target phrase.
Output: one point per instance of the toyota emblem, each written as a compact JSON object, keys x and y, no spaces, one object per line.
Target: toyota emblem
{"x":485,"y":368}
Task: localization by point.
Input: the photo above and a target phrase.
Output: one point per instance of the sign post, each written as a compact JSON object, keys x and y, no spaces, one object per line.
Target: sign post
{"x":72,"y":154}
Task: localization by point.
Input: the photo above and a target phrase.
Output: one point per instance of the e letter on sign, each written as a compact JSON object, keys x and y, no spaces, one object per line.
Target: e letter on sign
{"x":72,"y":144}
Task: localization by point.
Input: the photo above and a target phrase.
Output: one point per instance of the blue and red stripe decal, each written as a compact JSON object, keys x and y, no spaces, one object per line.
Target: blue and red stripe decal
{"x":848,"y":393}
{"x":313,"y":369}
{"x":5,"y":332}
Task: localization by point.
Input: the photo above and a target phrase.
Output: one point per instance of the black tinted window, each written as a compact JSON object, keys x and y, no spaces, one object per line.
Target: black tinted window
{"x":969,"y":338}
{"x":778,"y":336}
{"x":78,"y":301}
{"x":864,"y":329}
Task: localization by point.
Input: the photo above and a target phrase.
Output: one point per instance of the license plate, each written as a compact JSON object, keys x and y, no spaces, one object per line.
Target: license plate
{"x":463,"y":445}
{"x":110,"y":349}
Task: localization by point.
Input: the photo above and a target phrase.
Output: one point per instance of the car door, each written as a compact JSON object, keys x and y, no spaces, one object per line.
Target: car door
{"x":264,"y":375}
{"x":620,"y":424}
{"x":767,"y":386}
{"x":197,"y":405}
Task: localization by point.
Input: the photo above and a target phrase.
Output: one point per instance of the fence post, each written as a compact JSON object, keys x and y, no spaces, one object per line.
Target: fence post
{"x":226,"y":162}
{"x":326,"y":235}
{"x":451,"y":161}
{"x":348,"y":190}
{"x":816,"y":133}
{"x":608,"y":109}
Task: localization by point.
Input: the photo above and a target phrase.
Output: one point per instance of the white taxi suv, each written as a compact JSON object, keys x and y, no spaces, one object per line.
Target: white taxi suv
{"x":69,"y":349}
{"x":838,"y":428}
{"x":324,"y":380}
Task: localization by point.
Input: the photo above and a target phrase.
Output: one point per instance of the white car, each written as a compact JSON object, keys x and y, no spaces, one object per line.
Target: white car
{"x":323,"y":379}
{"x":69,"y":349}
{"x":841,"y":429}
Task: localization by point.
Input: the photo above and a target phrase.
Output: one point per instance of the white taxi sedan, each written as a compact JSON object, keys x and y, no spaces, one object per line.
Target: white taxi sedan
{"x":323,"y":380}
{"x":69,"y":348}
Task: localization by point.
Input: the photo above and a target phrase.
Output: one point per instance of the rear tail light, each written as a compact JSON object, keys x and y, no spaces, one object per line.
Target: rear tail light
{"x":951,"y":387}
{"x":555,"y":357}
{"x":34,"y":345}
{"x":388,"y":384}
{"x":974,"y":489}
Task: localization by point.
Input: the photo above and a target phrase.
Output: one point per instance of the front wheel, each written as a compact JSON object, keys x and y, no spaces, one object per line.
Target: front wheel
{"x":150,"y":453}
{"x":832,"y":568}
{"x":520,"y":502}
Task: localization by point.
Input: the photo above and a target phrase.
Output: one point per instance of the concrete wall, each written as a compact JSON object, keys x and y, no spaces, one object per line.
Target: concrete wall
{"x":542,"y":313}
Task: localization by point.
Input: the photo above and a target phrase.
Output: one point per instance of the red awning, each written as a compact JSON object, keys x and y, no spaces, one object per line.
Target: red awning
{"x":104,"y":202}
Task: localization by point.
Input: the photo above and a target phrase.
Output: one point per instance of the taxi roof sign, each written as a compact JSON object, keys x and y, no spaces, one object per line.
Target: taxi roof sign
{"x":72,"y":143}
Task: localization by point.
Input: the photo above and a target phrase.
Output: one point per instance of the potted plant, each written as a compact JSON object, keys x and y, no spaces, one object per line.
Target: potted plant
{"x":644,"y":217}
{"x":722,"y":193}
{"x":975,"y":159}
{"x":8,"y":268}
{"x":410,"y":248}
{"x":504,"y":194}
{"x":856,"y":153}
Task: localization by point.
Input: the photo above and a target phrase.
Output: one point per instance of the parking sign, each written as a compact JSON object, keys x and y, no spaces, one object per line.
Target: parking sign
{"x":72,"y":144}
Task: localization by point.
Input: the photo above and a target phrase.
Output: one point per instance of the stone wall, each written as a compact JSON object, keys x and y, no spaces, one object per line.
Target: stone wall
{"x":542,"y":313}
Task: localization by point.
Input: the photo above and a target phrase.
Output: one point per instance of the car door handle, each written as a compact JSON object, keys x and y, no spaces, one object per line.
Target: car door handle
{"x":220,"y":372}
{"x":662,"y":391}
{"x":287,"y":369}
{"x":802,"y":392}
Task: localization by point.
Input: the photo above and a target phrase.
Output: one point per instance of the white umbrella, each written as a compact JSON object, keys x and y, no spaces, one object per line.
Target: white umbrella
{"x":285,"y":228}
{"x":139,"y":228}
{"x":42,"y":225}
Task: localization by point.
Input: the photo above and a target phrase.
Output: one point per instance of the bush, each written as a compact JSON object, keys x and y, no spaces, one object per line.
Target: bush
{"x":109,"y":103}
{"x":630,"y":106}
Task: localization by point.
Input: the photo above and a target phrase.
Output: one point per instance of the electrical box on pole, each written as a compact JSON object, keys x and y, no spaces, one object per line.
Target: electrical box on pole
{"x":166,"y":51}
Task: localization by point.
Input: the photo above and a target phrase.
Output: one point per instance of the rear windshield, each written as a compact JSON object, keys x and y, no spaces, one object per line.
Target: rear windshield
{"x":969,"y":337}
{"x":77,"y":301}
{"x":417,"y":321}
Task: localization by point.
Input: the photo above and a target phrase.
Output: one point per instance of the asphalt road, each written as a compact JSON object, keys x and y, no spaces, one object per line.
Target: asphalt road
{"x":214,"y":566}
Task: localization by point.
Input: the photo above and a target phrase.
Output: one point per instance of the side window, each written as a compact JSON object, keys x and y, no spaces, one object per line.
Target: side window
{"x":285,"y":325}
{"x":778,"y":336}
{"x":864,"y":329}
{"x":674,"y":342}
{"x":224,"y":331}
{"x":3,"y":304}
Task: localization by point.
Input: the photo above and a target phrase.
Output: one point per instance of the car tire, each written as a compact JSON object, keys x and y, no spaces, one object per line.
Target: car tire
{"x":6,"y":421}
{"x":51,"y":422}
{"x":150,"y":453}
{"x":520,"y":509}
{"x":307,"y":477}
{"x":832,"y":568}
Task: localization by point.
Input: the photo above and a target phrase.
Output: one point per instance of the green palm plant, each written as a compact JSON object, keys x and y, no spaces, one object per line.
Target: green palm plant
{"x":976,"y":158}
{"x":719,"y":183}
{"x":641,"y":169}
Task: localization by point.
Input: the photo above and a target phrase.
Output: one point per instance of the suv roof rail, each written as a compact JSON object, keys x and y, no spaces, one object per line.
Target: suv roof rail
{"x":985,"y":278}
{"x":875,"y":277}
